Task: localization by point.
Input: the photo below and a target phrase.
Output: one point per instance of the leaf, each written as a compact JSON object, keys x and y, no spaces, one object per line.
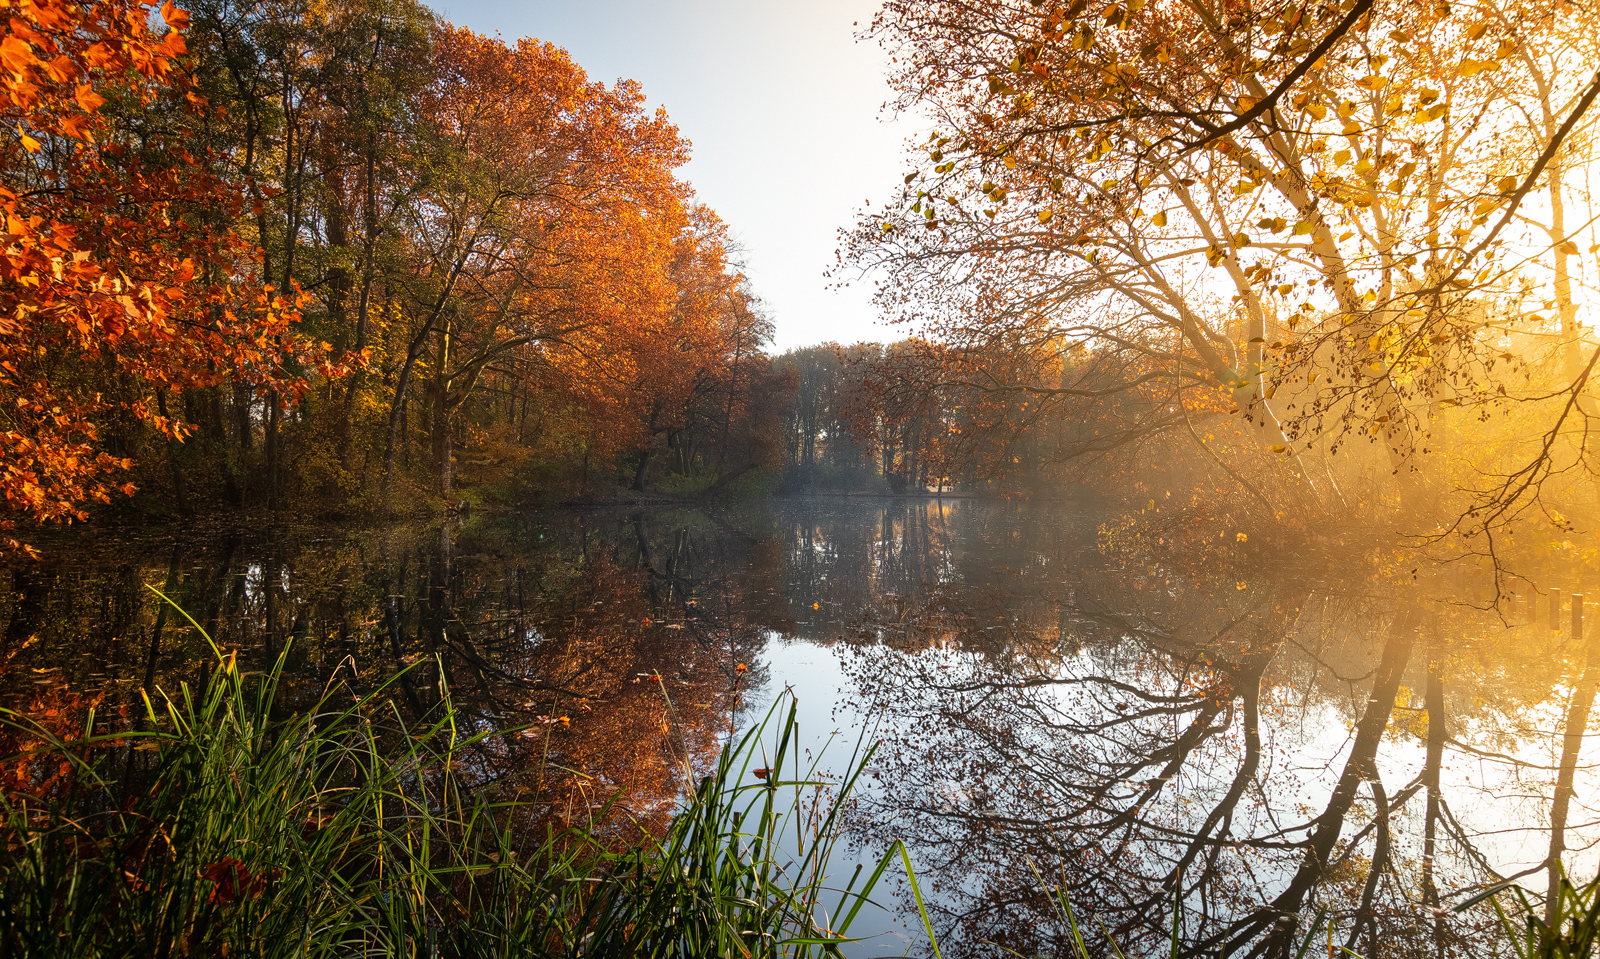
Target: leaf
{"x":88,"y":99}
{"x":1160,"y":219}
{"x":1045,"y":215}
{"x":1568,"y":247}
{"x":17,"y":55}
{"x":175,"y":17}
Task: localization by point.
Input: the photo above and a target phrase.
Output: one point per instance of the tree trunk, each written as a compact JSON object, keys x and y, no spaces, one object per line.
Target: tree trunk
{"x":443,"y":453}
{"x":644,"y":465}
{"x":180,"y":490}
{"x":1359,"y":767}
{"x":243,"y":399}
{"x":1434,"y":701}
{"x":273,"y":444}
{"x":1576,"y":725}
{"x":443,"y":445}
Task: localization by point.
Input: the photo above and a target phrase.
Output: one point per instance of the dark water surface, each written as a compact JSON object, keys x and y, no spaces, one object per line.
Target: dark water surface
{"x":1260,"y":746}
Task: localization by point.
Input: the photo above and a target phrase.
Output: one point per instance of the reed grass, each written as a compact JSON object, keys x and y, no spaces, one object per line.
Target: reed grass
{"x":345,"y":831}
{"x":1564,"y":924}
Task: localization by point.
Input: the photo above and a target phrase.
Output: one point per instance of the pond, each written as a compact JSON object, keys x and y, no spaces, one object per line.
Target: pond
{"x":1250,"y":739}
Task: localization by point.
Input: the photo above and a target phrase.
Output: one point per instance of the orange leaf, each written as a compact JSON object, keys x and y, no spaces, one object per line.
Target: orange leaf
{"x":17,"y":55}
{"x":88,"y":99}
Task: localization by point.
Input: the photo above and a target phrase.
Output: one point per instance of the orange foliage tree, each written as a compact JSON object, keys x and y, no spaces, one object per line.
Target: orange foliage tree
{"x":544,"y":250}
{"x":118,"y":282}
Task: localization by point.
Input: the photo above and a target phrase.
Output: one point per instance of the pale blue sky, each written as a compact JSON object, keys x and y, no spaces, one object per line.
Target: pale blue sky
{"x":782,"y":105}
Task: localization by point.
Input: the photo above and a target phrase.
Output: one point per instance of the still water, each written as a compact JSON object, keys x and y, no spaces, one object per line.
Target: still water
{"x":1252,"y":741}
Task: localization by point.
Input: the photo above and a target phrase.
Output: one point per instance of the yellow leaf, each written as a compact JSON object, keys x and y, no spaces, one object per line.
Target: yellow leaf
{"x":1317,"y":110}
{"x":1160,"y":219}
{"x":1279,"y":449}
{"x":1045,"y":215}
{"x":1241,"y":537}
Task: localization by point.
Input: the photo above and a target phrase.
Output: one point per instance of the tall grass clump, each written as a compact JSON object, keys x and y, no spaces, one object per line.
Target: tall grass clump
{"x":1567,"y":927}
{"x":344,"y":831}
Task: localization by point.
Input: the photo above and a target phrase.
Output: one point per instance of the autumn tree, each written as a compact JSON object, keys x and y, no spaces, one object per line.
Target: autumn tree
{"x":124,"y":283}
{"x":317,"y":116}
{"x":1293,"y":214}
{"x":549,"y":226}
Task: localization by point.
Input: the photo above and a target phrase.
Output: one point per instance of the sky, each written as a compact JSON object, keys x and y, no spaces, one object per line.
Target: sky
{"x":782,"y":105}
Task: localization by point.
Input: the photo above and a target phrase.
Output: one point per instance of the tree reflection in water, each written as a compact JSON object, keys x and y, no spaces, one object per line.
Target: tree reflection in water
{"x":1260,"y":753}
{"x":574,"y":627}
{"x":1141,"y":731}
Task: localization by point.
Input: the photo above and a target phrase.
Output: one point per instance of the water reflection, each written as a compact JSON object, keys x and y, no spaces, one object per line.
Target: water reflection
{"x":617,"y":639}
{"x":1260,"y":749}
{"x":1258,"y":753}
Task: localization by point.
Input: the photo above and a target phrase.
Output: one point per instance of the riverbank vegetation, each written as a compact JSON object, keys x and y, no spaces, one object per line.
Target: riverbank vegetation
{"x":218,"y":825}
